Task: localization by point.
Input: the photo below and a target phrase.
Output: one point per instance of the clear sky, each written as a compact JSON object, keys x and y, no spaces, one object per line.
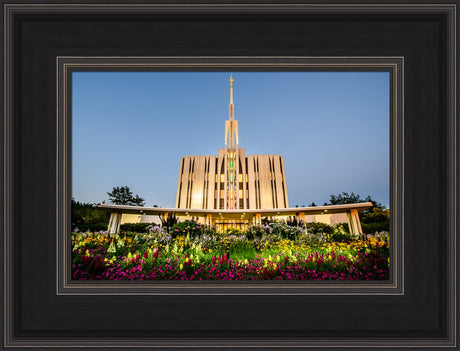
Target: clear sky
{"x":132,"y":128}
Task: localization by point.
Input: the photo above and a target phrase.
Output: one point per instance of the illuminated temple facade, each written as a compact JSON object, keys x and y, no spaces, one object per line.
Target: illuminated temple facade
{"x":232,"y":180}
{"x":233,"y":190}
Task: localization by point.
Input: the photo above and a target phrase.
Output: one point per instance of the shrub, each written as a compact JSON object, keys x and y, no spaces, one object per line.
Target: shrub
{"x":86,"y":216}
{"x":232,"y":231}
{"x":319,"y":228}
{"x":341,"y":228}
{"x":286,"y":231}
{"x":294,"y":222}
{"x":371,"y":228}
{"x":242,"y":250}
{"x":375,"y":220}
{"x":135,"y":227}
{"x":341,"y":238}
{"x":255,"y":232}
{"x":168,"y":222}
{"x":92,"y":227}
{"x":186,"y":227}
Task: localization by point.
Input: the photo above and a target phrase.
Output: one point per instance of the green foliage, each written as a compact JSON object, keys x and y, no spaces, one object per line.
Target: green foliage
{"x":124,"y":196}
{"x":352,"y":198}
{"x":232,"y":231}
{"x":370,"y":228}
{"x":168,"y":222}
{"x":186,"y":227}
{"x":375,"y":220}
{"x":240,"y":250}
{"x":319,"y":228}
{"x":344,"y":198}
{"x":135,"y":227}
{"x":255,"y":232}
{"x":286,"y":231}
{"x":340,"y":237}
{"x":341,"y":229}
{"x":375,"y":215}
{"x":89,"y":217}
{"x":294,"y":222}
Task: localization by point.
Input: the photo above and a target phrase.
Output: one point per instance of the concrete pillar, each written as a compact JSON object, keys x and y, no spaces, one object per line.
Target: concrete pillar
{"x":354,"y":224}
{"x":114,"y":222}
{"x":301,"y":217}
{"x":355,"y":215}
{"x":258,"y":219}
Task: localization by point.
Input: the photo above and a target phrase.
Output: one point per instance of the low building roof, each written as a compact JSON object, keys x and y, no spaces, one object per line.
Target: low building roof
{"x":265,"y":212}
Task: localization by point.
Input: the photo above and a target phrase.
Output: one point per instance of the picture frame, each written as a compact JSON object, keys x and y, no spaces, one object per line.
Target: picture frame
{"x":67,"y":65}
{"x":43,"y":41}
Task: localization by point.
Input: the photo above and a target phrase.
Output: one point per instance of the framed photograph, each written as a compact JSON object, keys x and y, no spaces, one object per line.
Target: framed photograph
{"x":132,"y":221}
{"x":207,"y":230}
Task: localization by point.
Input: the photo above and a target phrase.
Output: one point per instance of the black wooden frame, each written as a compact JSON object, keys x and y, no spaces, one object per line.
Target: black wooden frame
{"x":39,"y":313}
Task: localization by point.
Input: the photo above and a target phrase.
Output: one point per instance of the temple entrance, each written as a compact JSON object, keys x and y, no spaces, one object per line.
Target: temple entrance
{"x":224,"y":224}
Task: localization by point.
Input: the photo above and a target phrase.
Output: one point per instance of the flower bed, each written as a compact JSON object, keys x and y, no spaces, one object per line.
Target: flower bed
{"x":206,"y":255}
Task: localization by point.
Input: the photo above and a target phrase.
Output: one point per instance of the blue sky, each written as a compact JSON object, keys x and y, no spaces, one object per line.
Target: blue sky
{"x":132,"y":128}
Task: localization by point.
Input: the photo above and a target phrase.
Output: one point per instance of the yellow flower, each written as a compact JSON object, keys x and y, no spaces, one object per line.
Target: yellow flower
{"x":181,"y":266}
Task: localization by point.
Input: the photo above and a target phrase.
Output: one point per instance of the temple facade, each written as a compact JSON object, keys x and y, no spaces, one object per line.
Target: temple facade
{"x":232,"y":180}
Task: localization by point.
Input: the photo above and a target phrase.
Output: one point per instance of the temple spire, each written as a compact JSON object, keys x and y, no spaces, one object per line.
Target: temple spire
{"x":231,"y":185}
{"x":231,"y":89}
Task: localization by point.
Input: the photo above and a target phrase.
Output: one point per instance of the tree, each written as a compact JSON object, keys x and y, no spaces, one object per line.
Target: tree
{"x":346,"y":198}
{"x":375,"y":220}
{"x":86,"y":216}
{"x":124,"y":196}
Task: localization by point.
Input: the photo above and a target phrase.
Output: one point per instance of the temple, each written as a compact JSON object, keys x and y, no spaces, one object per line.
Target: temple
{"x":232,"y":190}
{"x":232,"y":180}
